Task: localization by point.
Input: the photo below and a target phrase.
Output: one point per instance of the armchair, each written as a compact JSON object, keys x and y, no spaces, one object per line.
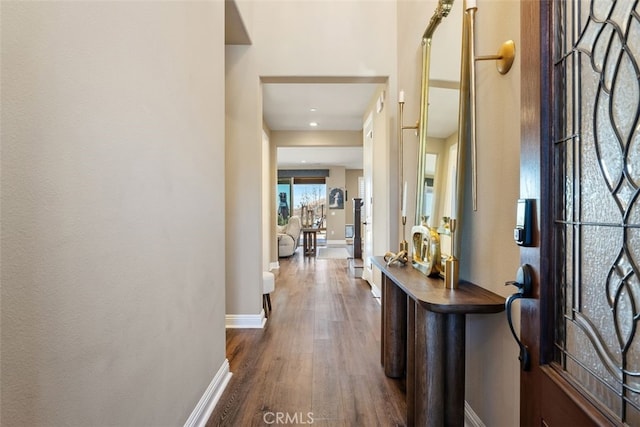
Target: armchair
{"x":288,"y":237}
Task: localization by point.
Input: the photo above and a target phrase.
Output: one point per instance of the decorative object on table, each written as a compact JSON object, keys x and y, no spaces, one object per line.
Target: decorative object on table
{"x":336,"y":198}
{"x":451,"y":265}
{"x":309,"y":218}
{"x":303,"y":215}
{"x":426,"y":256}
{"x":402,"y":257}
{"x":396,"y":258}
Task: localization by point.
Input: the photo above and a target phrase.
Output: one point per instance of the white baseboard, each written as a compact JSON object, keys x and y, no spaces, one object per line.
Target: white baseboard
{"x":209,"y":399}
{"x":274,"y":266}
{"x":471,"y":419}
{"x":375,"y":291}
{"x":246,"y":321}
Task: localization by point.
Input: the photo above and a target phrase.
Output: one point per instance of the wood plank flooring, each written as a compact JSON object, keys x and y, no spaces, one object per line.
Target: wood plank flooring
{"x":317,"y":361}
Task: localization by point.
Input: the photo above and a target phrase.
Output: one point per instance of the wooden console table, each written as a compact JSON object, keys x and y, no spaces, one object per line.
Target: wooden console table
{"x":423,"y":337}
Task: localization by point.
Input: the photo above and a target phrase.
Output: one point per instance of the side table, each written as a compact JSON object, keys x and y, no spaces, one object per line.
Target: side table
{"x":309,"y":241}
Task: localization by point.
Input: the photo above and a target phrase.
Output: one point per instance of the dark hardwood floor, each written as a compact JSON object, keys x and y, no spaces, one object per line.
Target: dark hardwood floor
{"x":317,"y":361}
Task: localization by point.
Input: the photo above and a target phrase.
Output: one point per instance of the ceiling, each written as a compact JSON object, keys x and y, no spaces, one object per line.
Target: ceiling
{"x":319,"y":157}
{"x":333,"y":106}
{"x":340,"y":106}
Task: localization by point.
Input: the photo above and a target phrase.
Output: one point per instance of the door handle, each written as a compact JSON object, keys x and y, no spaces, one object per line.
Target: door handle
{"x":523,"y":282}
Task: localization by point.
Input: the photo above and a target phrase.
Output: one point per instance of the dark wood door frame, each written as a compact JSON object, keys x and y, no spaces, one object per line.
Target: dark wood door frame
{"x":531,"y":14}
{"x":547,"y":398}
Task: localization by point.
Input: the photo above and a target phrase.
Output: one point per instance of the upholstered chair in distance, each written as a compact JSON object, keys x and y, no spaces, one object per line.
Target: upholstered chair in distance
{"x":288,"y":237}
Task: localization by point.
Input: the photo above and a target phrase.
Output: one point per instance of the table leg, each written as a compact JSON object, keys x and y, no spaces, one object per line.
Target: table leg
{"x":383,"y":311}
{"x":411,"y":361}
{"x":429,"y":396}
{"x":455,"y":370}
{"x":395,"y":330}
{"x":305,"y":242}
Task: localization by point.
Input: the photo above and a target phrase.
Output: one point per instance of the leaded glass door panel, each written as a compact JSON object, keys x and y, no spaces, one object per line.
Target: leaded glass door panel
{"x":583,"y":323}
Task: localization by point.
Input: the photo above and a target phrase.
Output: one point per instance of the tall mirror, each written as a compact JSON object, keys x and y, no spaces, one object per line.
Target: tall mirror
{"x":439,"y":177}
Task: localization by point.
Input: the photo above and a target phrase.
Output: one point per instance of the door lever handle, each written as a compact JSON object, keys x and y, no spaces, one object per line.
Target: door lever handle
{"x":524,"y":284}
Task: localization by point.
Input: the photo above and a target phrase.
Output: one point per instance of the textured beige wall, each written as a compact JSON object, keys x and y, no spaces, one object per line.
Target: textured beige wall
{"x":112,"y":232}
{"x":492,"y":257}
{"x":317,"y":138}
{"x":489,"y":255}
{"x":322,"y":39}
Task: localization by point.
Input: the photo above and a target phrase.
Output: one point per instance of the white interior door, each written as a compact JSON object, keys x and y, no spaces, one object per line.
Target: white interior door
{"x":367,"y":271}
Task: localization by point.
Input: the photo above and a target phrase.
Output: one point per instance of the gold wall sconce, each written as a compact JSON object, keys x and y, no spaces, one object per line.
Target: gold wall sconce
{"x":504,"y":58}
{"x":504,"y":61}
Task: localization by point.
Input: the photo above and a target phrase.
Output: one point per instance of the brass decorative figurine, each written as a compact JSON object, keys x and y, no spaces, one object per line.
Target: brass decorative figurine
{"x":399,"y":258}
{"x":404,"y":245}
{"x":402,"y":257}
{"x":452,"y":264}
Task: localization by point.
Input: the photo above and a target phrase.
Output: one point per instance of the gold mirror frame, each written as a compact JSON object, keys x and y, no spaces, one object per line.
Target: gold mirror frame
{"x":425,"y":236}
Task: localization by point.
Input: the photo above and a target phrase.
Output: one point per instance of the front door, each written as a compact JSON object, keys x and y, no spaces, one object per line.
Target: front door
{"x":580,"y":162}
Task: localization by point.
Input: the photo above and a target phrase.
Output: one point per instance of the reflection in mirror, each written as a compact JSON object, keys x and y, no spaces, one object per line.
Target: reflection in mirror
{"x":437,"y":195}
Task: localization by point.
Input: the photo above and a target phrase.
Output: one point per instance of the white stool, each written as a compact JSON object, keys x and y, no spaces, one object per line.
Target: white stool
{"x":268,"y":286}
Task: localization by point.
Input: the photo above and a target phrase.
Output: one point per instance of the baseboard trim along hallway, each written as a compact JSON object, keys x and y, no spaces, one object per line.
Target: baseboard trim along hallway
{"x":209,"y":399}
{"x":471,"y":419}
{"x":248,"y":321}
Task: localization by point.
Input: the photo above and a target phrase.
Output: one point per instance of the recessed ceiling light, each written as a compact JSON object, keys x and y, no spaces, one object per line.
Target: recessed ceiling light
{"x":313,"y":124}
{"x":303,"y":161}
{"x":313,"y":109}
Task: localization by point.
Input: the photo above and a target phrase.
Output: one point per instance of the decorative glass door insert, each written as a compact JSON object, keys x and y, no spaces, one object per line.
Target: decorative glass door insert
{"x":597,"y":200}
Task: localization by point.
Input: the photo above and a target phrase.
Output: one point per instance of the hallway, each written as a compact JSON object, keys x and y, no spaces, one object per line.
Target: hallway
{"x":318,"y":358}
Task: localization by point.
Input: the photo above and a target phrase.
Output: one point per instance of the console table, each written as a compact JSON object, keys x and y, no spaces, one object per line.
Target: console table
{"x":423,"y":337}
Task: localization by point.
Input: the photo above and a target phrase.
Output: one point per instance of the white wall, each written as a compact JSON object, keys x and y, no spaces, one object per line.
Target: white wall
{"x":311,"y":38}
{"x":113,"y":261}
{"x":489,"y":255}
